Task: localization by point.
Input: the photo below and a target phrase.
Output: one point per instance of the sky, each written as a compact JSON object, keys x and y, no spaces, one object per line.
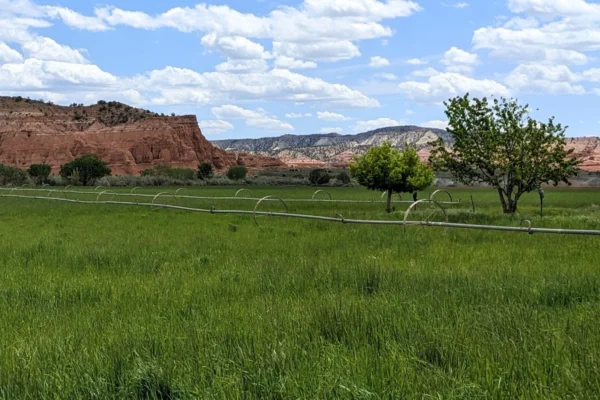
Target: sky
{"x":256,"y":68}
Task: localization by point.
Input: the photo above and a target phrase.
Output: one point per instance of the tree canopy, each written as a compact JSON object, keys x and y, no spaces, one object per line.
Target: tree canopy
{"x":499,"y":144}
{"x":88,"y":167}
{"x":39,"y":172}
{"x":386,"y":169}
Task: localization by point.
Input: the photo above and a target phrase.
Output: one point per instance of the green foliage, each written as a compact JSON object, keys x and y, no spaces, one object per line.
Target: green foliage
{"x":165,"y":170}
{"x":39,"y":172}
{"x":384,"y":168}
{"x":12,"y":175}
{"x":237,"y":172}
{"x":88,"y":167}
{"x":344,"y":177}
{"x":319,"y":176}
{"x":205,"y":171}
{"x":501,"y":145}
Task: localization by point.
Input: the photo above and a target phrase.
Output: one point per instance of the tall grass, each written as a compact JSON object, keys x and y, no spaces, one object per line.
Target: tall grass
{"x":125,"y":302}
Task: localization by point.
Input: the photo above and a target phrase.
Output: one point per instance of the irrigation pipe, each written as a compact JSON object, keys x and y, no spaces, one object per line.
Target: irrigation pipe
{"x":152,"y":195}
{"x":530,"y":230}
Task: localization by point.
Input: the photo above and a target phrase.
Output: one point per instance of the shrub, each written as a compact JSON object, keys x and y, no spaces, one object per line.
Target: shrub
{"x":205,"y":171}
{"x":319,"y":176}
{"x":13,"y":175}
{"x":39,"y":173}
{"x":88,"y":168}
{"x":237,"y":172}
{"x":164,"y":170}
{"x":344,"y":178}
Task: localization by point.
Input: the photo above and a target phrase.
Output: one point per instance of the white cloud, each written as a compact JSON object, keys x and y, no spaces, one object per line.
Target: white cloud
{"x":296,"y":115}
{"x":330,"y":116}
{"x":544,"y":79}
{"x":327,"y":51}
{"x":417,"y":61}
{"x":364,"y":126}
{"x":378,"y":62}
{"x":458,"y":60}
{"x":553,"y":8}
{"x":450,"y":84}
{"x":292,"y":63}
{"x":8,"y":55}
{"x":241,"y":66}
{"x":437,"y":124}
{"x":365,"y":10}
{"x":213,"y":127}
{"x":257,"y":119}
{"x":43,"y":48}
{"x":426,"y":72}
{"x":74,"y":19}
{"x":235,"y":47}
{"x":387,"y":76}
{"x":331,"y":130}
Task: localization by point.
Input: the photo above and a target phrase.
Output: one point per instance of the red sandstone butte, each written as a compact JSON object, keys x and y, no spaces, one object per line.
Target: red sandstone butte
{"x":130,"y":140}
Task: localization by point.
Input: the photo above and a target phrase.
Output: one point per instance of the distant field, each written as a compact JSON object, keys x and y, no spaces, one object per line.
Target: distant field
{"x":110,"y":301}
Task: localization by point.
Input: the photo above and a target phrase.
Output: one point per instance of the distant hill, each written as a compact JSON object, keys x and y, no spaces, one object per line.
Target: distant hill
{"x":333,"y":148}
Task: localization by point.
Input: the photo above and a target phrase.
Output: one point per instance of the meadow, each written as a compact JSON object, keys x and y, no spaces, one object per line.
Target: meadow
{"x":111,"y":301}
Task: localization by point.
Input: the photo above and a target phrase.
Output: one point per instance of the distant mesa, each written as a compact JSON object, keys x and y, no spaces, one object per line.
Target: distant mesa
{"x":129,"y":139}
{"x":332,"y":149}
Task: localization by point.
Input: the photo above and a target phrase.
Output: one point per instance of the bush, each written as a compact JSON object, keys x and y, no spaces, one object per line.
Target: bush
{"x":164,"y":170}
{"x":344,"y":178}
{"x":39,"y":173}
{"x":12,"y":175}
{"x":205,"y":171}
{"x":236,"y":173}
{"x":319,"y":176}
{"x":85,"y":169}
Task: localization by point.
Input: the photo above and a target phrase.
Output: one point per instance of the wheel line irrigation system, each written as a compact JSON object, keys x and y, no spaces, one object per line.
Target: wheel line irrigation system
{"x":48,"y":195}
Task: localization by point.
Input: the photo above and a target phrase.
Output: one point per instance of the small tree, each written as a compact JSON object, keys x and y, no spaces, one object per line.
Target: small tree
{"x":501,"y":145}
{"x":205,"y":171}
{"x":344,"y":177}
{"x":39,"y":172}
{"x":237,"y":172}
{"x":384,"y":168}
{"x":89,"y":167}
{"x":319,"y":176}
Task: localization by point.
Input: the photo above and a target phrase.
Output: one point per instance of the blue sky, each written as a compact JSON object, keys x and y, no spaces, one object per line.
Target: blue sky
{"x":258,"y":68}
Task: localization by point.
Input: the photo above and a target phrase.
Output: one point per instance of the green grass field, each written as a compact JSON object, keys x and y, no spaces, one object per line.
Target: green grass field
{"x":109,"y":301}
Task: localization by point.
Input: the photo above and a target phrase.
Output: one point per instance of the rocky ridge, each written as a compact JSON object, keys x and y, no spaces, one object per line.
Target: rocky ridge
{"x":335,"y":150}
{"x":129,"y":139}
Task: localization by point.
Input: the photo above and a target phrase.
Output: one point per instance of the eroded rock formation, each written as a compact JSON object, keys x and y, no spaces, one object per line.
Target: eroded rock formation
{"x":130,"y":140}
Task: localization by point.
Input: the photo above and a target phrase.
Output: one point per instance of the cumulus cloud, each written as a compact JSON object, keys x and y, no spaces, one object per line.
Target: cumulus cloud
{"x":257,"y":119}
{"x":332,"y":130}
{"x":371,"y":125}
{"x":378,"y":62}
{"x":445,"y":85}
{"x":437,"y":124}
{"x":234,"y":47}
{"x":43,"y":48}
{"x":318,"y":51}
{"x":242,"y":66}
{"x":387,"y":76}
{"x":9,"y":55}
{"x":544,"y":79}
{"x":213,"y":127}
{"x":297,"y":115}
{"x":416,"y":61}
{"x":291,"y":63}
{"x":458,"y":60}
{"x":330,"y":116}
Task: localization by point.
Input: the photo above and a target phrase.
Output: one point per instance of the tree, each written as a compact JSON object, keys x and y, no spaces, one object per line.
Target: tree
{"x":237,"y":172}
{"x":501,"y":145}
{"x":205,"y":171}
{"x":89,"y":167}
{"x":319,"y":176}
{"x":344,"y":177}
{"x":39,"y":172}
{"x":386,"y":169}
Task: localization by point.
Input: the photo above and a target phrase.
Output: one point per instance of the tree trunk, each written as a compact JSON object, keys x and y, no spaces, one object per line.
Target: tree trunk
{"x":503,"y":201}
{"x":509,"y":205}
{"x":388,"y":208}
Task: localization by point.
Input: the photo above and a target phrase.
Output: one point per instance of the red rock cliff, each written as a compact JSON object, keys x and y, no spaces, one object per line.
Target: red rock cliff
{"x":130,"y":140}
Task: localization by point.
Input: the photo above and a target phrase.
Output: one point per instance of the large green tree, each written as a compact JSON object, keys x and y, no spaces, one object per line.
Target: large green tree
{"x":388,"y":170}
{"x":39,"y":172}
{"x":89,"y":167}
{"x":499,"y":144}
